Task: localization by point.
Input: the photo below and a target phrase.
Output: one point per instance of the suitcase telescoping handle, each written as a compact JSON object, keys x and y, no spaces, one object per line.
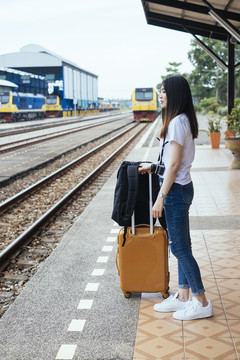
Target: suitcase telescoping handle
{"x":150,"y":208}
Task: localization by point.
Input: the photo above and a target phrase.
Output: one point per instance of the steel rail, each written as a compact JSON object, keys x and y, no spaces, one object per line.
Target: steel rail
{"x":32,"y":128}
{"x":22,"y":194}
{"x":38,"y":137}
{"x":23,"y":239}
{"x":48,"y":137}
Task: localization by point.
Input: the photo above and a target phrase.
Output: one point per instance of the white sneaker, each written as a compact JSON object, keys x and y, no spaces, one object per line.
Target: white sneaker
{"x":171,"y":304}
{"x":194,"y":310}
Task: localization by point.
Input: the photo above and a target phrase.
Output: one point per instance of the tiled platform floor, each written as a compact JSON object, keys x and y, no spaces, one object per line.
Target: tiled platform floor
{"x":159,"y":336}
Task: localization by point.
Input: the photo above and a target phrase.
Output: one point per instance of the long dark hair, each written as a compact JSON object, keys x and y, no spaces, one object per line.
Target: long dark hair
{"x":179,"y":100}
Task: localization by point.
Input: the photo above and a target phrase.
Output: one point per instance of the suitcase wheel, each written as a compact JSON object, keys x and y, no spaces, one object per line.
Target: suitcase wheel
{"x":165,"y":295}
{"x":127,"y":295}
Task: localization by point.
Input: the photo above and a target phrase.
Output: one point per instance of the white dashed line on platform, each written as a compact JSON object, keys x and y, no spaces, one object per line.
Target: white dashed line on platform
{"x":76,"y":325}
{"x":107,"y":248}
{"x":92,"y":287}
{"x":66,"y":352}
{"x":114,"y":231}
{"x":102,"y":259}
{"x":85,"y":304}
{"x":111,"y":239}
{"x":98,"y":272}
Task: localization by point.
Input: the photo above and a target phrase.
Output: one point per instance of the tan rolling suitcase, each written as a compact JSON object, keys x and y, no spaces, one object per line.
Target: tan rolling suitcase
{"x":142,"y":258}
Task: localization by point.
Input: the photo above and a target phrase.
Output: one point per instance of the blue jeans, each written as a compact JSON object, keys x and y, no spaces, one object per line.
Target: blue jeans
{"x":176,"y":205}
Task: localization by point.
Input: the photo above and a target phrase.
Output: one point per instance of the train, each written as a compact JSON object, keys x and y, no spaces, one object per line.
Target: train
{"x":104,"y":106}
{"x":109,"y":105}
{"x":53,"y":107}
{"x":115,"y":105}
{"x":16,"y":106}
{"x":145,"y":104}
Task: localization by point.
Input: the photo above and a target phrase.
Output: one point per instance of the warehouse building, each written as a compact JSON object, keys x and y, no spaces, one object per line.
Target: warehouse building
{"x":37,"y":70}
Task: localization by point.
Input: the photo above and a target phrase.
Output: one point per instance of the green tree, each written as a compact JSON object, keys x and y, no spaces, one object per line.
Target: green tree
{"x":172,"y":70}
{"x":208,"y":79}
{"x":237,"y":83}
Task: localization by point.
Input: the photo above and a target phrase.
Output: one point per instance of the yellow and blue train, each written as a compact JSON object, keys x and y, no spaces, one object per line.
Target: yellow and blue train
{"x":115,"y":105}
{"x":53,"y":107}
{"x":108,"y":105}
{"x":16,"y":106}
{"x":25,"y":106}
{"x":145,"y":104}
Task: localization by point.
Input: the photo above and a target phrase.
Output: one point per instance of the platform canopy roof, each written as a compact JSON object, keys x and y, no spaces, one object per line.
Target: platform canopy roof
{"x":216,"y":19}
{"x":36,"y":59}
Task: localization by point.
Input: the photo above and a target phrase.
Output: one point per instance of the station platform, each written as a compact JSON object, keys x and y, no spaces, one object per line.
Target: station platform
{"x":73,"y":307}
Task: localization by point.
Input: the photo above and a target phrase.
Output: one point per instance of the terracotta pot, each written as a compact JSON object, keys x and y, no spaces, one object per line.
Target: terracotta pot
{"x":215,"y":140}
{"x":233,"y":144}
{"x":229,"y":133}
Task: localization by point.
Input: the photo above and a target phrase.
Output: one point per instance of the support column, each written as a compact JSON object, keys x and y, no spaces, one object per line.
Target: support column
{"x":231,"y":82}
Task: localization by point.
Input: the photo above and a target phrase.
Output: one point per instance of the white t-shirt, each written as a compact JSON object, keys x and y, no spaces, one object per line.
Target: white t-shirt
{"x":179,"y":130}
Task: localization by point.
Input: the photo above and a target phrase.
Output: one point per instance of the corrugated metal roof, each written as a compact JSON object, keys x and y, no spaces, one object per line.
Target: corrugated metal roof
{"x":35,"y":48}
{"x":36,"y":57}
{"x":192,"y":16}
{"x":7,"y":83}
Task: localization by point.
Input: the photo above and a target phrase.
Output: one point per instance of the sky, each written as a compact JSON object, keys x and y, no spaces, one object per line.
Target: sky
{"x":109,"y":38}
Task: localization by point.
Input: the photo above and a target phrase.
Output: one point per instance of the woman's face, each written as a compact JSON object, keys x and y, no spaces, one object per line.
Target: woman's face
{"x":163,"y":98}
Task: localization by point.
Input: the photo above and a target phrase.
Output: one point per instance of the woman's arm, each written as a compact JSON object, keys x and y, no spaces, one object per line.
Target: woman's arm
{"x":176,"y":151}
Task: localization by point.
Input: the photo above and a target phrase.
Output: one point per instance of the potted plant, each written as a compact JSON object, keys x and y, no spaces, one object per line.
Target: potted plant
{"x":214,"y":128}
{"x":232,"y":134}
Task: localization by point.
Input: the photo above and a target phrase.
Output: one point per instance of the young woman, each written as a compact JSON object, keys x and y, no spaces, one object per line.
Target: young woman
{"x":177,"y":150}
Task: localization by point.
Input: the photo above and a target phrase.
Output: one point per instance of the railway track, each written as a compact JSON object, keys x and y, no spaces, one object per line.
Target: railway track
{"x":15,"y":145}
{"x":25,"y":180}
{"x":43,"y":125}
{"x":32,"y":128}
{"x":23,"y":261}
{"x":52,"y":190}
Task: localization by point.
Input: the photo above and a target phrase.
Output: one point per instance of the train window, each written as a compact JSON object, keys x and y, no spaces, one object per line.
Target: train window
{"x":144,"y":96}
{"x":4,"y":98}
{"x":51,"y":100}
